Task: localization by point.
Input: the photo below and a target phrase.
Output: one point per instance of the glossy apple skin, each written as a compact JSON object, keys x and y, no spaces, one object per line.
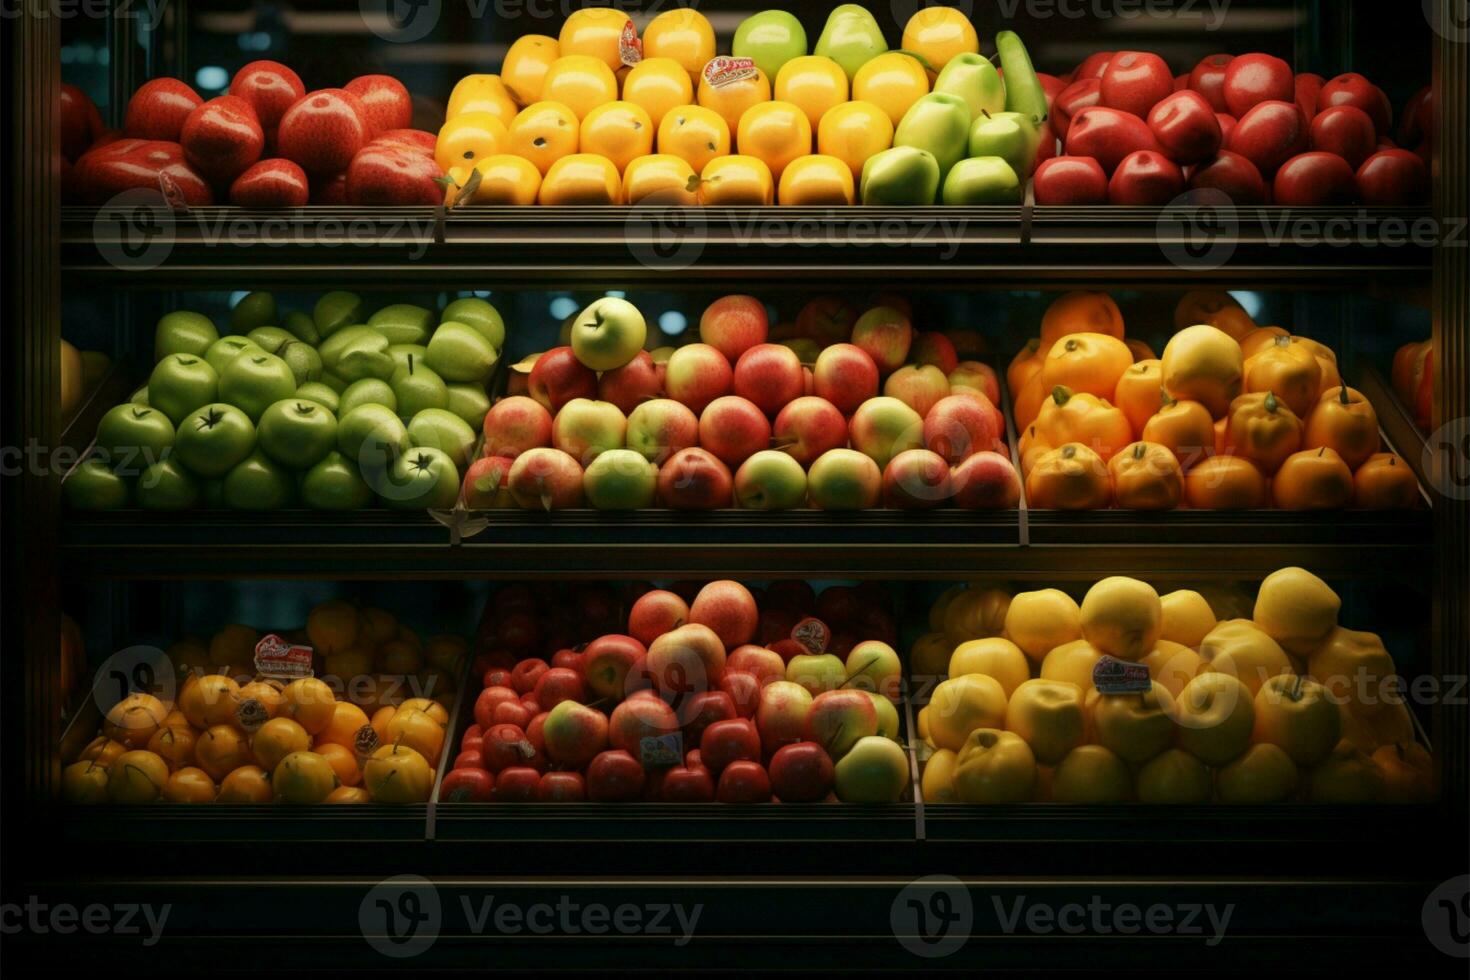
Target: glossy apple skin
{"x":1108,"y":135}
{"x":1308,"y":90}
{"x":158,"y":109}
{"x":1186,"y":127}
{"x":1393,"y":177}
{"x":1136,"y":81}
{"x":128,"y":164}
{"x":273,"y":183}
{"x":222,"y":138}
{"x":1255,"y":78}
{"x":386,"y":101}
{"x":1208,"y":79}
{"x":388,"y":173}
{"x":271,"y":88}
{"x":1346,"y":131}
{"x":1315,"y":180}
{"x":694,"y":479}
{"x":1093,"y":66}
{"x":1071,"y":180}
{"x":80,"y":122}
{"x":1234,"y":176}
{"x":323,"y":130}
{"x":1081,"y":94}
{"x":1269,"y":135}
{"x":1355,"y":90}
{"x":1146,"y":178}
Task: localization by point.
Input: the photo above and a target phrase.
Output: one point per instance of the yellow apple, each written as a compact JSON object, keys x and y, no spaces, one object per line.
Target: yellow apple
{"x":1174,"y":776}
{"x":1049,"y":716}
{"x":1297,"y":714}
{"x":1122,"y":617}
{"x":975,"y":614}
{"x":1264,"y":774}
{"x":1173,"y":665}
{"x":1135,"y":727}
{"x":921,"y":722}
{"x":961,"y":705}
{"x":1348,"y":776}
{"x":1091,"y":774}
{"x":1296,"y":609}
{"x":995,"y":767}
{"x":1216,"y":715}
{"x":1039,"y":622}
{"x":1356,"y":667}
{"x":1188,"y":618}
{"x":887,"y":715}
{"x":993,"y":657}
{"x":929,"y":656}
{"x":1408,"y":773}
{"x":1045,"y":775}
{"x":1073,"y":663}
{"x":937,"y":783}
{"x":1241,"y":650}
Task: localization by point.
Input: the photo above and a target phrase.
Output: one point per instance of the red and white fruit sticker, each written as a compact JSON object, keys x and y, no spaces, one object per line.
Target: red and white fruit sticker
{"x":1114,"y":676}
{"x":275,"y":657}
{"x":365,"y":743}
{"x":630,"y":46}
{"x":812,"y":634}
{"x":724,"y":70}
{"x":661,"y":751}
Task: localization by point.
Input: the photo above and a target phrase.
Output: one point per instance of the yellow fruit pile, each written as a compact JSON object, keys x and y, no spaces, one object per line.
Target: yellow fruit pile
{"x":234,"y":736}
{"x":567,"y":121}
{"x":1279,"y":705}
{"x":1234,"y":416}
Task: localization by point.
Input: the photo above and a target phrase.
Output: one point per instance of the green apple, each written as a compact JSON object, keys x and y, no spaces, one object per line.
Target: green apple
{"x":335,"y":484}
{"x":304,"y":361}
{"x":470,"y":403}
{"x":133,"y":436}
{"x":357,"y":352}
{"x":982,"y":180}
{"x":257,"y":309}
{"x":844,"y":480}
{"x":403,"y":353}
{"x":620,"y":479}
{"x":213,"y":440}
{"x":182,"y":332}
{"x":403,"y":323}
{"x":939,"y":123}
{"x":851,"y":37}
{"x":255,"y":382}
{"x":875,"y":770}
{"x":139,"y":397}
{"x":94,"y":486}
{"x":297,"y":433}
{"x":1009,"y":135}
{"x":438,"y":428}
{"x":903,"y":175}
{"x":585,"y":429}
{"x":258,"y":483}
{"x":770,"y":480}
{"x":419,"y":479}
{"x":335,"y":382}
{"x":608,"y":334}
{"x":371,"y":436}
{"x":417,"y":387}
{"x":271,"y":339}
{"x":181,"y":383}
{"x":480,"y":315}
{"x":336,"y":310}
{"x":770,"y":39}
{"x":226,"y":349}
{"x":974,"y":78}
{"x":302,"y":327}
{"x":887,"y":715}
{"x":459,"y":352}
{"x":166,"y":485}
{"x":368,"y":391}
{"x":806,"y":349}
{"x":321,"y":394}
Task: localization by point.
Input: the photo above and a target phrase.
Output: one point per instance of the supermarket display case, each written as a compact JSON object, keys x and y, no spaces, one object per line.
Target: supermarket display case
{"x":902,"y":886}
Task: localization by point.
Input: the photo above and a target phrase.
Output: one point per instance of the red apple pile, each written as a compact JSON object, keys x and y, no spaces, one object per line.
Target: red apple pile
{"x":267,"y":143}
{"x":845,"y":409}
{"x":1246,"y":126}
{"x":713,"y":693}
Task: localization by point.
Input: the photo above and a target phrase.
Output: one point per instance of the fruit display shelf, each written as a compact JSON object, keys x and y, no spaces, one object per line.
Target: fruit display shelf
{"x":1306,"y":247}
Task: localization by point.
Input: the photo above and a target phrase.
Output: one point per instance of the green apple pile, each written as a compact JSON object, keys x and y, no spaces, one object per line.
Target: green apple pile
{"x":331,"y":410}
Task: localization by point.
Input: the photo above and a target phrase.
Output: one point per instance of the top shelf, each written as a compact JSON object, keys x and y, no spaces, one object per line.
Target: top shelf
{"x":558,"y":247}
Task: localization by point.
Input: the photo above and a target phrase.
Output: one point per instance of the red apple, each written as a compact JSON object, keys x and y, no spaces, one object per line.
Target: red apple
{"x":688,"y":784}
{"x":1255,"y":78}
{"x":885,"y":334}
{"x":269,"y":185}
{"x":570,"y":659}
{"x":517,"y":784}
{"x":845,"y":375}
{"x":470,"y":740}
{"x":801,"y":773}
{"x":410,"y":139}
{"x":504,"y":746}
{"x":733,"y":325}
{"x":697,"y":374}
{"x":557,"y":685}
{"x":271,"y":88}
{"x":657,"y":429}
{"x":387,"y":103}
{"x":744,"y":781}
{"x":1347,"y":131}
{"x":769,"y":376}
{"x":936,"y":350}
{"x":837,"y":719}
{"x":920,"y":388}
{"x":1108,"y":136}
{"x":632,"y":384}
{"x":1355,"y":90}
{"x":1136,"y":81}
{"x":512,"y":713}
{"x":1146,"y":178}
{"x":469,"y":759}
{"x":764,"y":664}
{"x":695,"y":479}
{"x":1315,"y":180}
{"x":975,"y":377}
{"x":826,"y":319}
{"x":486,"y":702}
{"x":1393,"y":177}
{"x":558,"y":377}
{"x":79,"y":120}
{"x":546,"y":479}
{"x":1232,"y":175}
{"x":615,"y":776}
{"x":961,"y":425}
{"x":1081,"y":94}
{"x":1227,"y":126}
{"x":734,"y":429}
{"x":467,"y":786}
{"x":561,"y":787}
{"x":1071,"y":180}
{"x":607,"y":662}
{"x":1208,"y":79}
{"x":729,"y":610}
{"x":525,"y":674}
{"x":106,"y":171}
{"x":916,"y":480}
{"x":1186,"y":127}
{"x":656,"y":613}
{"x":1269,"y":135}
{"x":723,"y":742}
{"x":486,"y":483}
{"x":1093,"y":66}
{"x":323,"y":130}
{"x":158,"y":109}
{"x":986,"y":481}
{"x":810,"y":426}
{"x":574,"y":733}
{"x":1308,"y":91}
{"x":388,"y":173}
{"x":515,"y":425}
{"x":703,"y":710}
{"x":1417,"y":122}
{"x":744,"y":690}
{"x":686,"y":661}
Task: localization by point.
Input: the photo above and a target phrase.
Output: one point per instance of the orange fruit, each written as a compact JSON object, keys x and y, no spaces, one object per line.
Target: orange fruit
{"x":854,"y":131}
{"x":524,"y":69}
{"x":579,"y":82}
{"x":684,"y":35}
{"x":813,"y":83}
{"x":893,"y":81}
{"x":311,"y":703}
{"x":619,"y":131}
{"x":190,"y":785}
{"x":733,"y":98}
{"x":235,"y":644}
{"x":1385,"y":482}
{"x":775,"y":132}
{"x":221,"y":749}
{"x":247,"y":784}
{"x":347,"y":720}
{"x":659,"y":178}
{"x":481,"y":93}
{"x":581,"y":178}
{"x":1080,"y":312}
{"x":1087,"y":362}
{"x":1344,"y":421}
{"x":543,"y":133}
{"x":1140,"y":393}
{"x":1146,"y":476}
{"x":463,"y":142}
{"x":816,"y":180}
{"x":505,"y":179}
{"x":658,"y":85}
{"x":694,"y":134}
{"x":1183,"y":428}
{"x":1072,"y":477}
{"x":736,"y":180}
{"x":1313,"y":479}
{"x":595,"y":32}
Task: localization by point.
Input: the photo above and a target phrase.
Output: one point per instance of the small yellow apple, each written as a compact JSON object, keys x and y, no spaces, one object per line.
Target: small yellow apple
{"x":1091,"y":774}
{"x":1173,"y":665}
{"x":1039,"y":622}
{"x":1188,"y":618}
{"x":929,"y":656}
{"x":1216,"y":715}
{"x":1297,"y":609}
{"x":961,"y":705}
{"x":975,"y":614}
{"x":1135,"y":727}
{"x":1348,"y":776}
{"x":1049,"y":716}
{"x":1264,"y":774}
{"x":937,"y":783}
{"x":995,"y":767}
{"x":993,"y":657}
{"x":1241,"y":650}
{"x":921,"y":722}
{"x":887,"y":715}
{"x":1175,"y":777}
{"x":1123,"y":617}
{"x":1073,"y":663}
{"x":1298,"y":715}
{"x":1356,"y":667}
